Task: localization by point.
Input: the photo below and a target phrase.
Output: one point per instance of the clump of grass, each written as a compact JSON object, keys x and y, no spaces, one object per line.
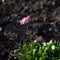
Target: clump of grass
{"x":35,"y":51}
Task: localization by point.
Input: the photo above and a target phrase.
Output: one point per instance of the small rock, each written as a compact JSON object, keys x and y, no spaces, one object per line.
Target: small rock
{"x":0,"y":29}
{"x":3,"y":0}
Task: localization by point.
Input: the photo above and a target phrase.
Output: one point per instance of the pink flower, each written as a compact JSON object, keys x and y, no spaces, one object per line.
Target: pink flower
{"x":25,"y":20}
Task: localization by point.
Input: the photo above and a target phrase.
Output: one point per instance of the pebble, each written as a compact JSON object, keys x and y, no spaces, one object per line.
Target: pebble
{"x":3,"y":0}
{"x":0,"y":29}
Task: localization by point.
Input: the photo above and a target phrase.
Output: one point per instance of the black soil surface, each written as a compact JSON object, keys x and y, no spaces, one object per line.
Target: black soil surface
{"x":44,"y":24}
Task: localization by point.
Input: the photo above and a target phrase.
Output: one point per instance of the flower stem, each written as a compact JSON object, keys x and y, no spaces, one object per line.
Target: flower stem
{"x":29,"y":34}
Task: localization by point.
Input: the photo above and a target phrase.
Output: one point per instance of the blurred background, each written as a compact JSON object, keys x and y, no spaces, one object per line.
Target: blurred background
{"x":44,"y":24}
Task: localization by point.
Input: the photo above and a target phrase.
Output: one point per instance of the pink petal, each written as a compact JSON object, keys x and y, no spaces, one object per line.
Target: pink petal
{"x":25,"y":20}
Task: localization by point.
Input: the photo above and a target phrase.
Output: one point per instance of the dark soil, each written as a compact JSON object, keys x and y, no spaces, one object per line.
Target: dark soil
{"x":44,"y":24}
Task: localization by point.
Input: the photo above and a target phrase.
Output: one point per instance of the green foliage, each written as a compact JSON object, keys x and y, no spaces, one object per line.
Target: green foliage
{"x":40,"y":3}
{"x":35,"y":51}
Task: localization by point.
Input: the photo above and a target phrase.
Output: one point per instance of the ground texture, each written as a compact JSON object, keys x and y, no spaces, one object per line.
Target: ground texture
{"x":44,"y":24}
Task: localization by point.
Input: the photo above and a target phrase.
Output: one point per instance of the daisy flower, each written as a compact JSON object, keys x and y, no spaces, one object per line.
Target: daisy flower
{"x":25,"y":20}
